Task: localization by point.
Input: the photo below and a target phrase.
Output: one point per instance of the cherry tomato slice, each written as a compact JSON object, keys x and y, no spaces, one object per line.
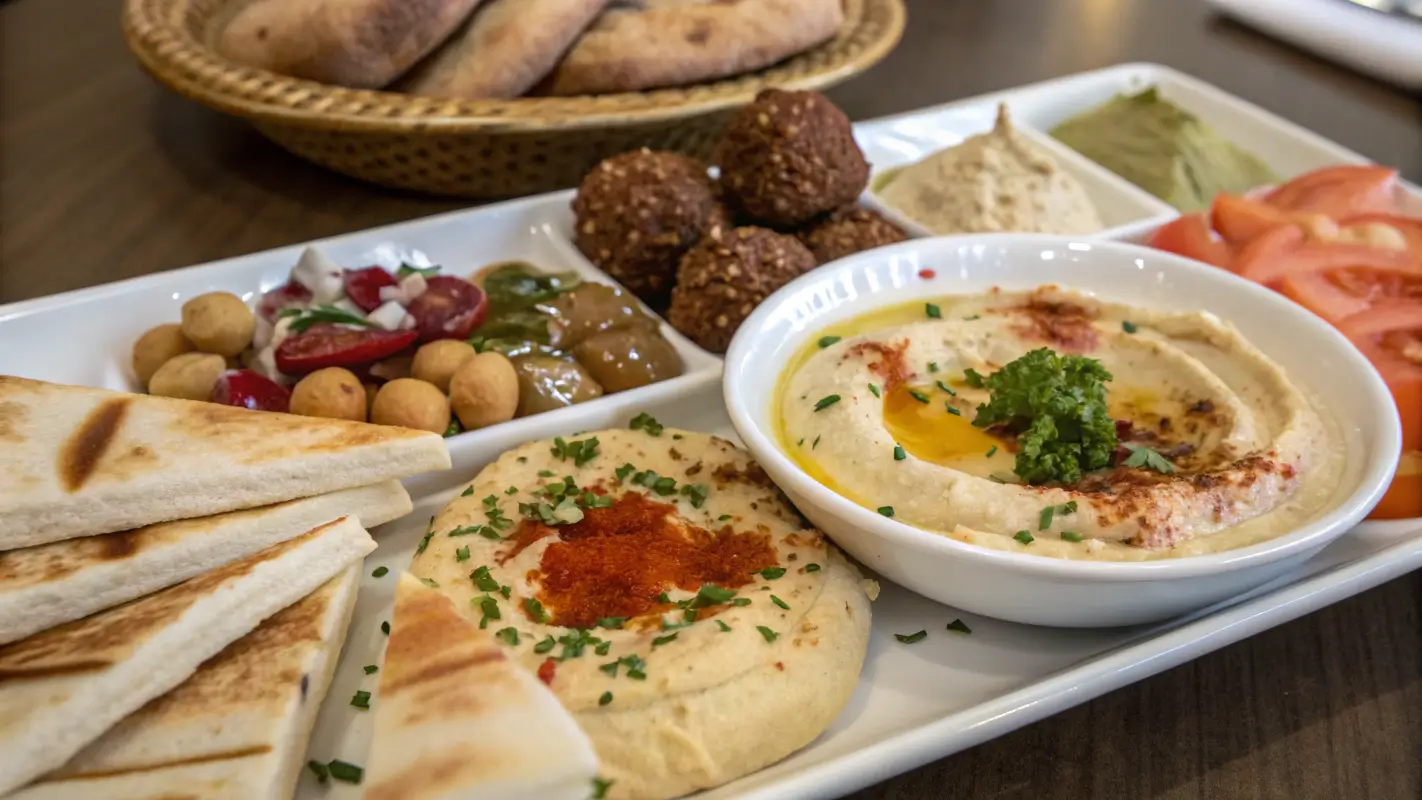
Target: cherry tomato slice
{"x":363,"y":286}
{"x":322,"y":346}
{"x":1190,"y":236}
{"x":450,"y":308}
{"x":1339,"y":192}
{"x":1404,"y":497}
{"x":247,"y":389}
{"x":288,"y":295}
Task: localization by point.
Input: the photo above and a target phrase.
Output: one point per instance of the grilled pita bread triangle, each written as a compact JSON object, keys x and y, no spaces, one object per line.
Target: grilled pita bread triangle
{"x":236,"y":730}
{"x":63,"y":688}
{"x":81,"y":461}
{"x":455,"y":717}
{"x":50,"y":584}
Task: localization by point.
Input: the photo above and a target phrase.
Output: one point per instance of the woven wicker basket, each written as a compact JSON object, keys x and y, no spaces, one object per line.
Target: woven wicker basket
{"x":482,"y":148}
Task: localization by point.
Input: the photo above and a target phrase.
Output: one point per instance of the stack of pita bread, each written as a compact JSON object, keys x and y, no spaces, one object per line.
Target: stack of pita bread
{"x":499,"y":49}
{"x":176,"y":579}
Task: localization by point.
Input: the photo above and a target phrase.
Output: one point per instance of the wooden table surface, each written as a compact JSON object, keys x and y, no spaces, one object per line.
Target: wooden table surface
{"x":104,"y":176}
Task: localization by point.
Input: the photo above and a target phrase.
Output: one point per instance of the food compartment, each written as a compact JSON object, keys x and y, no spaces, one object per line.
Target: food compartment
{"x":895,"y":143}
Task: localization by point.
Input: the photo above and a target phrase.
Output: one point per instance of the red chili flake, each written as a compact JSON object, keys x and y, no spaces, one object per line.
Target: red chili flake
{"x":546,"y":671}
{"x":927,"y":274}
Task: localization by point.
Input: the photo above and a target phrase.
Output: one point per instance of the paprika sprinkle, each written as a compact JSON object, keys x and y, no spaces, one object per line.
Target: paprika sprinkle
{"x":617,"y":560}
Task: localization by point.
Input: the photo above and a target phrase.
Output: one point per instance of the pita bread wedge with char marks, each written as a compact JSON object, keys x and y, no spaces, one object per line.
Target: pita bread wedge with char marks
{"x":681,"y":42}
{"x":457,"y":719}
{"x":503,"y":49}
{"x":79,"y":461}
{"x":50,"y":584}
{"x":236,"y":730}
{"x":63,"y":688}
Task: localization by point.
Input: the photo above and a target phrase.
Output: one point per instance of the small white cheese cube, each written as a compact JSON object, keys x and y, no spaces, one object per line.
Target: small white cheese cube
{"x":388,"y":317}
{"x":280,"y":331}
{"x":313,"y":268}
{"x":347,"y":306}
{"x":414,"y":285}
{"x":393,"y":294}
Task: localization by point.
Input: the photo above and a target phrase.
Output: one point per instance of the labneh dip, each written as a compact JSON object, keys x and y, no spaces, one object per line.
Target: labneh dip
{"x":992,"y":182}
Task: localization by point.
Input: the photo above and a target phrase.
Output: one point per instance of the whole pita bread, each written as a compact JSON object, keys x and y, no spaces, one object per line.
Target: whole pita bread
{"x":363,"y":44}
{"x":48,"y":585}
{"x":681,"y":42}
{"x":80,"y":461}
{"x":455,"y":717}
{"x":503,"y":50}
{"x":62,"y":689}
{"x":236,"y":730}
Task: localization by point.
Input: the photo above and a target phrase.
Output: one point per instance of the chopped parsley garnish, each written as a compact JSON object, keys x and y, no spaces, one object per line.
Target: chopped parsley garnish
{"x":380,"y":572}
{"x":647,"y":422}
{"x":887,"y":511}
{"x":724,"y":518}
{"x":505,"y":591}
{"x":800,"y":443}
{"x":724,"y":627}
{"x":635,"y":667}
{"x":612,"y":623}
{"x":959,"y":626}
{"x":623,"y":471}
{"x":919,"y":396}
{"x":430,"y":582}
{"x":483,"y":581}
{"x":697,"y":492}
{"x":361,"y":700}
{"x":779,"y":602}
{"x":371,"y":669}
{"x":933,"y":311}
{"x":599,"y":788}
{"x":826,"y":341}
{"x":574,"y":642}
{"x":1144,"y":457}
{"x":467,"y":492}
{"x":1069,"y":507}
{"x":1071,"y":536}
{"x":1128,"y":326}
{"x":605,"y":699}
{"x":769,"y":634}
{"x":1024,"y":537}
{"x":580,"y":451}
{"x":544,"y":646}
{"x":462,"y":554}
{"x":741,"y":601}
{"x":812,"y":567}
{"x":1057,"y":407}
{"x":772,"y":573}
{"x":973,"y":317}
{"x":826,"y":401}
{"x":899,"y":454}
{"x":602,"y":648}
{"x":910,"y":638}
{"x":933,"y":366}
{"x":490,"y":608}
{"x":991,"y":451}
{"x":1044,"y":519}
{"x":535,"y":610}
{"x":385,"y":627}
{"x":319,"y":770}
{"x":465,"y":530}
{"x":663,"y":598}
{"x":425,"y":542}
{"x":945,"y":387}
{"x":509,"y":635}
{"x":874,"y":390}
{"x":452,"y":429}
{"x":815,"y":443}
{"x":546,"y":473}
{"x":345,"y":772}
{"x":661,"y":640}
{"x":710,"y":595}
{"x":512,"y":490}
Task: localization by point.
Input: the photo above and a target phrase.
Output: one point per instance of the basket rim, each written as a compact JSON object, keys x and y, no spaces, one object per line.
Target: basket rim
{"x":168,"y":52}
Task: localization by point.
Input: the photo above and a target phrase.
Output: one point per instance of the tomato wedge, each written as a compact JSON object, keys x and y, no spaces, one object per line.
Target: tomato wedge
{"x":1240,"y":220}
{"x":1318,"y":293}
{"x":247,"y":389}
{"x":1339,"y":192}
{"x":1404,"y":497}
{"x":322,"y":346}
{"x":1368,"y":331}
{"x":1190,"y":236}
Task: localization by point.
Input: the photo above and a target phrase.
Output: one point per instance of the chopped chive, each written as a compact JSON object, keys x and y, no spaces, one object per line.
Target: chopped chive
{"x":319,"y":770}
{"x":605,"y":699}
{"x":874,"y":390}
{"x":779,"y":602}
{"x":826,"y":341}
{"x":959,"y":626}
{"x":772,"y":573}
{"x":371,"y":669}
{"x":1071,"y":536}
{"x":1024,"y":537}
{"x":462,"y":554}
{"x":933,"y":311}
{"x":723,"y":625}
{"x":887,"y":511}
{"x":724,"y":518}
{"x":602,"y":648}
{"x":991,"y":451}
{"x":380,"y":572}
{"x":945,"y":387}
{"x":826,"y":402}
{"x":812,"y":567}
{"x":483,"y":581}
{"x":1128,"y":326}
{"x":948,"y":406}
{"x":741,"y":601}
{"x":933,"y":366}
{"x":361,"y":700}
{"x":647,"y":422}
{"x":345,"y":772}
{"x":544,"y":646}
{"x":910,"y":638}
{"x":919,"y":396}
{"x":1068,"y":508}
{"x":815,"y":443}
{"x":1044,"y":521}
{"x":612,"y":623}
{"x":800,"y":443}
{"x":899,"y":454}
{"x":661,"y":640}
{"x":769,"y":634}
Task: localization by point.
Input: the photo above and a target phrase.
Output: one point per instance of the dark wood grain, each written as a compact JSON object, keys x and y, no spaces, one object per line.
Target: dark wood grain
{"x":103,"y":176}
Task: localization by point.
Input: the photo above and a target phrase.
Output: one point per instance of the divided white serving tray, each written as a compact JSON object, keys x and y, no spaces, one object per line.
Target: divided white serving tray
{"x":915,"y":703}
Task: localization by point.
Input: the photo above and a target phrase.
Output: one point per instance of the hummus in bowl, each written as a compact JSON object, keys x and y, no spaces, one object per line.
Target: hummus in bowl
{"x":1208,"y":445}
{"x":1201,"y":436}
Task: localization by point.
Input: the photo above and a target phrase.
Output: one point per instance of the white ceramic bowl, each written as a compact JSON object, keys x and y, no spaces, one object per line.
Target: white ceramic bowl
{"x":1033,"y":589}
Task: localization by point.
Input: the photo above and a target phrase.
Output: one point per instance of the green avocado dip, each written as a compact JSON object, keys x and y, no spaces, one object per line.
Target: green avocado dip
{"x":1163,"y":149}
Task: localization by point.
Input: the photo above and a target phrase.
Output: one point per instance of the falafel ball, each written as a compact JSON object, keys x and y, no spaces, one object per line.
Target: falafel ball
{"x":789,"y":157}
{"x":638,"y":212}
{"x":847,"y":231}
{"x":720,"y":281}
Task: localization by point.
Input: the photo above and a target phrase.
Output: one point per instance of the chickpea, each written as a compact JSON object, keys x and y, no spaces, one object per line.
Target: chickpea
{"x":219,"y":322}
{"x":411,"y":403}
{"x":436,"y":362}
{"x":190,"y":376}
{"x":332,"y":392}
{"x":484,"y":391}
{"x":155,"y":347}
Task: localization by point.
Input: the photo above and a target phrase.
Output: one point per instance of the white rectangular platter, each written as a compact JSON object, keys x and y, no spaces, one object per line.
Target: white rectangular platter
{"x":915,"y":703}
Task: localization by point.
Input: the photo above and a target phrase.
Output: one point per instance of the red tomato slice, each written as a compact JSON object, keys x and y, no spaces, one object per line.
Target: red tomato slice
{"x":288,"y":295}
{"x":1377,"y":333}
{"x":1339,"y":192}
{"x":363,"y":286}
{"x":1241,"y":220}
{"x":1190,"y":236}
{"x":1282,"y":251}
{"x":1319,"y":294}
{"x":449,"y":309}
{"x":322,"y":346}
{"x":1265,"y":259}
{"x":1409,"y":227}
{"x":247,"y":389}
{"x":1404,"y":497}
